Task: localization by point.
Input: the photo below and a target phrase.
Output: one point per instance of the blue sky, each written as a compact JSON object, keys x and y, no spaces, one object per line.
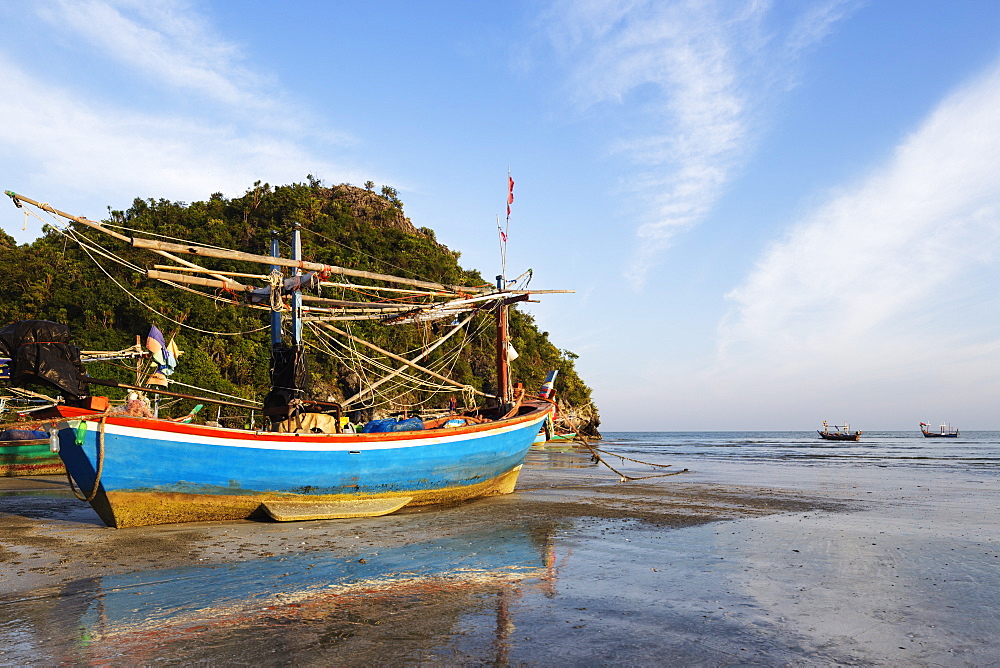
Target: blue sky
{"x":774,"y":213}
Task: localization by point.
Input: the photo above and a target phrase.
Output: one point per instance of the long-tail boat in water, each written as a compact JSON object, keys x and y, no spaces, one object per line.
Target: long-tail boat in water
{"x":944,"y":431}
{"x":840,"y":432}
{"x":137,"y":470}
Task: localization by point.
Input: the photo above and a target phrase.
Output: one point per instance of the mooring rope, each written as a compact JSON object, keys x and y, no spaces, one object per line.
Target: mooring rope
{"x":614,"y":454}
{"x":100,"y":467}
{"x":624,"y":477}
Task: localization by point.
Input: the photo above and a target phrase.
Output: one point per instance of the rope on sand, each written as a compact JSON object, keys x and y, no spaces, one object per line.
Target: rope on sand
{"x":625,"y":477}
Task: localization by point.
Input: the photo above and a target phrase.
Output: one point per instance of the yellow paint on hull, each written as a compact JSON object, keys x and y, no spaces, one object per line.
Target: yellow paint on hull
{"x":135,"y":509}
{"x":18,"y":469}
{"x":29,"y":457}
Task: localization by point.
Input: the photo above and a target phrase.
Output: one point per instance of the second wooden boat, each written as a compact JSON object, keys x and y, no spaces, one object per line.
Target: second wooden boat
{"x":840,"y":432}
{"x":944,"y":431}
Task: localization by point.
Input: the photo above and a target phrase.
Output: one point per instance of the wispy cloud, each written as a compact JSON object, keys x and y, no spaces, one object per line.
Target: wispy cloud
{"x":698,"y":72}
{"x":60,"y":140}
{"x":166,"y":42}
{"x":89,"y":139}
{"x":892,"y":270}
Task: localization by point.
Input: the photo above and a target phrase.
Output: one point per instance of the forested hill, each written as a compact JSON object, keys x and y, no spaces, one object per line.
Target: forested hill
{"x":226,"y":347}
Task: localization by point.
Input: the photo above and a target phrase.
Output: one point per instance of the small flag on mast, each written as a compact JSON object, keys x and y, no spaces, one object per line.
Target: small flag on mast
{"x":164,"y":355}
{"x":503,"y":230}
{"x":510,"y":193}
{"x":157,"y":346}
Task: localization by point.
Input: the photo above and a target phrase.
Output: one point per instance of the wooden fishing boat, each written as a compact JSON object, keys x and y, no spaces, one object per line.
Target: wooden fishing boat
{"x":24,"y":456}
{"x":137,"y":471}
{"x":840,"y":432}
{"x":944,"y":431}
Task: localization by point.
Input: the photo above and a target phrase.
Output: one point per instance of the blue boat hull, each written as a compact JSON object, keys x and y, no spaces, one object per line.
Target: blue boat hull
{"x":155,"y":471}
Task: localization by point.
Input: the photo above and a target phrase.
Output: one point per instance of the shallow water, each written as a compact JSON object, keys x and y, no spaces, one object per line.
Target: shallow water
{"x":881,"y":448}
{"x":905,"y":572}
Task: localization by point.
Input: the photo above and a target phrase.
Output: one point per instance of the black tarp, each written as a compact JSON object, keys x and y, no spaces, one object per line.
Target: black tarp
{"x":40,"y":352}
{"x":289,"y":380}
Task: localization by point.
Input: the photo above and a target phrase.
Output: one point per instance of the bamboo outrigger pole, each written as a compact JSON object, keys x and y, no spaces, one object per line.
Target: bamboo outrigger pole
{"x":205,"y":251}
{"x":79,"y":219}
{"x":238,"y":287}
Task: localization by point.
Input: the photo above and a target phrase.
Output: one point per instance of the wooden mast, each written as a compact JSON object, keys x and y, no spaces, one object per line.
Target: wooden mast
{"x":275,"y":315}
{"x":297,"y":294}
{"x":504,"y":392}
{"x":503,"y":363}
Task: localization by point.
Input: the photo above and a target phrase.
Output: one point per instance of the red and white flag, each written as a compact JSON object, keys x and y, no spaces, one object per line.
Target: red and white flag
{"x":510,"y":193}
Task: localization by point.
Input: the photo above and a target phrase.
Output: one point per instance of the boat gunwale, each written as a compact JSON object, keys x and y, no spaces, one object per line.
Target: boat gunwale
{"x":243,"y":436}
{"x":23,"y":442}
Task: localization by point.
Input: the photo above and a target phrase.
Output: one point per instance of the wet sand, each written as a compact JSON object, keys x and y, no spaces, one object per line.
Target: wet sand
{"x":721,"y":565}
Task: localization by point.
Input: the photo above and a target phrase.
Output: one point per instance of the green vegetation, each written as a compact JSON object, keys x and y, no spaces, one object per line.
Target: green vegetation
{"x":54,"y":279}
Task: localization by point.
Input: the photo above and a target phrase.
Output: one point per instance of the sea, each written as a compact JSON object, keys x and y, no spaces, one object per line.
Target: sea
{"x":901,"y":568}
{"x":905,"y":450}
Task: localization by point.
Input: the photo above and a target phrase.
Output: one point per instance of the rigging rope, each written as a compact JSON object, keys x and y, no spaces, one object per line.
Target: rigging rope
{"x":407,"y":380}
{"x":624,"y":477}
{"x":358,"y":362}
{"x":73,"y":236}
{"x":404,"y":382}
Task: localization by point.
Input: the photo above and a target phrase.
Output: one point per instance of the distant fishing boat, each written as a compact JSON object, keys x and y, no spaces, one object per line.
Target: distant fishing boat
{"x":840,"y":432}
{"x":944,"y":431}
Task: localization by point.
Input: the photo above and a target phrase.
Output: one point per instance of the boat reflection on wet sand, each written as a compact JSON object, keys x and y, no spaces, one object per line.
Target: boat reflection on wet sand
{"x":304,"y":604}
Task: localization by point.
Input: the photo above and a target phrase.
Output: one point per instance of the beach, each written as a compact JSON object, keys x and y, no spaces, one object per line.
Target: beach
{"x":808,"y":558}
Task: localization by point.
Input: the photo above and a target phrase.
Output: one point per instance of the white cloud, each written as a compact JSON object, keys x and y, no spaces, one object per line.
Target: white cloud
{"x":166,"y":42}
{"x":893,"y":272}
{"x":816,"y":22}
{"x":53,"y":141}
{"x":82,"y":137}
{"x":701,"y":69}
{"x":179,"y":60}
